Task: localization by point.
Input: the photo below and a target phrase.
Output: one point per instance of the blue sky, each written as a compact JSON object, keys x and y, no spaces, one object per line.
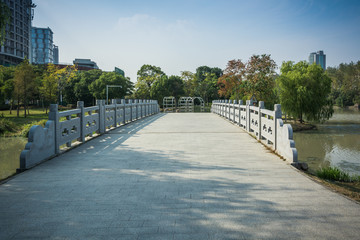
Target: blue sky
{"x":183,"y":35}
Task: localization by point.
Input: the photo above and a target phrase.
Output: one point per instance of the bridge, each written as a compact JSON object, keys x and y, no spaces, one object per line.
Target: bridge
{"x":149,"y":175}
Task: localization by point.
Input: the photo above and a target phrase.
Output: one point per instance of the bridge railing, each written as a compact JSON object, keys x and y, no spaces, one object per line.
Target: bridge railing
{"x":266,"y":125}
{"x":78,"y":125}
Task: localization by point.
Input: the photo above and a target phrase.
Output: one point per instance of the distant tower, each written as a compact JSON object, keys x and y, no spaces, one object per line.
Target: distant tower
{"x":319,"y":58}
{"x":56,"y":54}
{"x":42,"y":45}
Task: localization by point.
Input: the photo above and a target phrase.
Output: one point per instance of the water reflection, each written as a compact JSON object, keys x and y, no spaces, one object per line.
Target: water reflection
{"x":10,"y":149}
{"x":336,"y":143}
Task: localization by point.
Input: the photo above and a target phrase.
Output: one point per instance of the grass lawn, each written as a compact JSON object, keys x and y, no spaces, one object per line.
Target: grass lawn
{"x":19,"y":124}
{"x":36,"y":114}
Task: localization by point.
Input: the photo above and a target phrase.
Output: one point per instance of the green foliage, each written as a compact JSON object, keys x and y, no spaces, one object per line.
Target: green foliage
{"x":188,"y":79}
{"x":147,"y":75}
{"x":231,"y":83}
{"x":167,"y":86}
{"x":205,"y":83}
{"x":304,"y":90}
{"x":335,"y":174}
{"x":26,"y":127}
{"x":4,"y":19}
{"x":260,"y":80}
{"x":345,"y":84}
{"x":98,"y":87}
{"x":6,"y":125}
{"x":24,"y":83}
{"x":49,"y":85}
{"x":256,"y":77}
{"x":82,"y":83}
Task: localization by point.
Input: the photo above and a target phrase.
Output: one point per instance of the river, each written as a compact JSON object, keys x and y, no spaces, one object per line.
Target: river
{"x":335,"y":143}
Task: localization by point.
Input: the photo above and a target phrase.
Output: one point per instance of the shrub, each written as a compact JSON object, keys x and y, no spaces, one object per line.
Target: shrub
{"x":26,"y":128}
{"x":7,"y":126}
{"x":335,"y":174}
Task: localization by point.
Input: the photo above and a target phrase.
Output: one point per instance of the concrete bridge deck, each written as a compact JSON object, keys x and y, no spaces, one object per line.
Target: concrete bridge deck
{"x":172,"y":176}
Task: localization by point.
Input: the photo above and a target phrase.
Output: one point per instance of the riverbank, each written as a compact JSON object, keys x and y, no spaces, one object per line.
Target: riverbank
{"x":348,"y":189}
{"x":297,"y":127}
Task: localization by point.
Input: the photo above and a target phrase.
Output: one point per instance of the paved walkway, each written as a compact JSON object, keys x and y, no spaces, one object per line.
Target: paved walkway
{"x":172,"y":176}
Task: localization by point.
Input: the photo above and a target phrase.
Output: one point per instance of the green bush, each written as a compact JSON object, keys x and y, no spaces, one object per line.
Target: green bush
{"x":335,"y":174}
{"x":7,"y":126}
{"x":26,"y":128}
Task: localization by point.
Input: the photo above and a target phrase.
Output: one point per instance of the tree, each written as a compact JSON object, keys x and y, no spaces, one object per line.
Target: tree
{"x":63,"y":78}
{"x":147,"y":75}
{"x":81,"y":87}
{"x":24,"y":84}
{"x":345,"y":83}
{"x":7,"y":85}
{"x":188,"y":79}
{"x":206,"y":82}
{"x":304,"y":90}
{"x":230,"y":84}
{"x":260,"y":77}
{"x":167,"y":86}
{"x":98,"y":87}
{"x":4,"y":19}
{"x":49,"y":85}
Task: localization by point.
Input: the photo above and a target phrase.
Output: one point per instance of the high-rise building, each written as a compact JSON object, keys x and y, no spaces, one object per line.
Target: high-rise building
{"x":319,"y":58}
{"x":56,"y":54}
{"x":119,"y":71}
{"x":42,"y":45}
{"x":85,"y":63}
{"x":17,"y":43}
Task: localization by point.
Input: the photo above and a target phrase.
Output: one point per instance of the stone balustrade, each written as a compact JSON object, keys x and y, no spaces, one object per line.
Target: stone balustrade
{"x":267,"y":126}
{"x":79,"y":125}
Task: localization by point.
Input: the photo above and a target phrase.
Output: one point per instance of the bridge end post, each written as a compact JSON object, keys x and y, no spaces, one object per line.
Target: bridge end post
{"x":277,"y":115}
{"x":248,"y":104}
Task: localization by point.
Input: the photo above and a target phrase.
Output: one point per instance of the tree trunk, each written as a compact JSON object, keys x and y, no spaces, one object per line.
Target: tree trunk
{"x":25,"y":110}
{"x":18,"y":108}
{"x":11,"y":106}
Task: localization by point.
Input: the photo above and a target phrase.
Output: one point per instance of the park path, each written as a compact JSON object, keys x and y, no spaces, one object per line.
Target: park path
{"x":172,"y":176}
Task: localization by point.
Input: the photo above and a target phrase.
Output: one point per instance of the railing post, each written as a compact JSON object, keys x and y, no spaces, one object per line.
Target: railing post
{"x":240,"y":103}
{"x":54,"y":116}
{"x":113,"y":102}
{"x":101,"y":104}
{"x":80,"y":105}
{"x":124,"y":110}
{"x":234,"y":113}
{"x":131,"y":108}
{"x":261,"y":106}
{"x":229,"y":106}
{"x":147,"y":107}
{"x":149,"y":104}
{"x":277,"y":115}
{"x":248,"y":121}
{"x":136,"y":109}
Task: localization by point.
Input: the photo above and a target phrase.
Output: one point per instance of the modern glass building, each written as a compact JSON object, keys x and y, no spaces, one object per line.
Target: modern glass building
{"x":17,"y":39}
{"x":56,"y":54}
{"x":42,"y":45}
{"x":318,"y":58}
{"x":87,"y":63}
